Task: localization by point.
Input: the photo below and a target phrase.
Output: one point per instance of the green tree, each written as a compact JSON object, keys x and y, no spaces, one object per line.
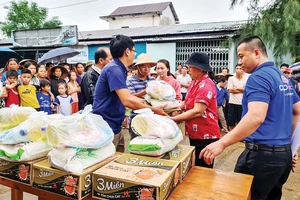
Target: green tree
{"x":23,"y":15}
{"x":277,"y":22}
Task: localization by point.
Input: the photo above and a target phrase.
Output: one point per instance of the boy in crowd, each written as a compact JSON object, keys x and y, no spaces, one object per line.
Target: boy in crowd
{"x":11,"y":88}
{"x":27,"y":92}
{"x":222,"y":95}
{"x":44,"y":98}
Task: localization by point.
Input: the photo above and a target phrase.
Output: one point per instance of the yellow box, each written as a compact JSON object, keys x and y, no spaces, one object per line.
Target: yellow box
{"x":67,"y":184}
{"x":21,"y":172}
{"x":185,"y":155}
{"x":136,"y":177}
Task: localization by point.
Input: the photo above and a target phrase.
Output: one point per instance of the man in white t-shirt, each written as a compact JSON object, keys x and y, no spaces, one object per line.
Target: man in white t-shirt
{"x":236,"y":85}
{"x":184,"y":79}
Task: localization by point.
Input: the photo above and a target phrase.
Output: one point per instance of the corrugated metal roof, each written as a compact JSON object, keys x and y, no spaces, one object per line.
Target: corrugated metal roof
{"x":142,"y":9}
{"x":164,"y":30}
{"x":156,"y":31}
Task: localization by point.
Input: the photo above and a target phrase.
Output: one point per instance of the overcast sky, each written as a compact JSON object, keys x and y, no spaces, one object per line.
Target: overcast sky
{"x":86,"y":13}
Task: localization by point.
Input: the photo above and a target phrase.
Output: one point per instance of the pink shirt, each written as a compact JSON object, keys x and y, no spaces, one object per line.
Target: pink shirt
{"x":175,"y":84}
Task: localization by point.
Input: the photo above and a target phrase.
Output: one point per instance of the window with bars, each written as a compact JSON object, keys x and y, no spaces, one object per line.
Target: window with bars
{"x":217,"y":50}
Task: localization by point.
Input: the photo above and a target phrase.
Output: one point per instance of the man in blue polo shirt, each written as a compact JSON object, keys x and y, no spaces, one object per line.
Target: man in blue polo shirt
{"x":111,"y":92}
{"x":271,"y":111}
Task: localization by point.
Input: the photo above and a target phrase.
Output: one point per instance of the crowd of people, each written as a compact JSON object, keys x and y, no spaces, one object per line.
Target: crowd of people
{"x":249,"y":108}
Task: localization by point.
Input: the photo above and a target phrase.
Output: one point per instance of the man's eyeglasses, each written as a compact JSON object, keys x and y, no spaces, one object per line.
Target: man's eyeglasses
{"x":135,"y":52}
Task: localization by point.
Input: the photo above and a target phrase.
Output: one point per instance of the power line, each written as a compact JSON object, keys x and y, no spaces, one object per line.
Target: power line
{"x":74,"y":4}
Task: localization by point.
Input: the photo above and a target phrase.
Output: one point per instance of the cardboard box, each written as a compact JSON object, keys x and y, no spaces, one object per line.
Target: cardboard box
{"x":72,"y":185}
{"x":183,"y":154}
{"x":21,"y":172}
{"x":136,"y":177}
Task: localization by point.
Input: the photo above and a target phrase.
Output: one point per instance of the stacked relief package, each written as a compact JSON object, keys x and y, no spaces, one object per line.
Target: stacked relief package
{"x":79,"y":141}
{"x":156,"y":134}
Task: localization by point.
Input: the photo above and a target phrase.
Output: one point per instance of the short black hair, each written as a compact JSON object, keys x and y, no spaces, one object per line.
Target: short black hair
{"x":27,"y":64}
{"x":100,"y":53}
{"x":284,"y":65}
{"x":252,"y":42}
{"x":79,"y":63}
{"x":26,"y":71}
{"x":221,"y":79}
{"x":119,"y":44}
{"x":12,"y":73}
{"x":48,"y":64}
{"x":237,"y":65}
{"x":44,"y":83}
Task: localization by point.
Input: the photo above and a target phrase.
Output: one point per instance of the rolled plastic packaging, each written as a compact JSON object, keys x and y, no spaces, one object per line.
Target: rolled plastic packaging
{"x":77,"y":159}
{"x":160,"y":90}
{"x":153,"y":146}
{"x":24,"y":151}
{"x":85,"y":130}
{"x":32,"y":129}
{"x":12,"y":117}
{"x":169,"y":104}
{"x":152,"y":125}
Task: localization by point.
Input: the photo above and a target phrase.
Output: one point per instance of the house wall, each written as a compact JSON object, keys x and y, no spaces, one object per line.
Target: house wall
{"x":163,"y":51}
{"x":134,"y":21}
{"x":167,"y":17}
{"x":140,"y":47}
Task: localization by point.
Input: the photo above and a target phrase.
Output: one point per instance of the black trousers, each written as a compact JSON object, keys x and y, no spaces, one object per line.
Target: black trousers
{"x":270,"y":171}
{"x":199,"y":145}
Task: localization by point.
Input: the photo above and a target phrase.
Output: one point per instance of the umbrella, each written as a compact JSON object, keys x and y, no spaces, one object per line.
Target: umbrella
{"x":6,"y":54}
{"x":56,"y":55}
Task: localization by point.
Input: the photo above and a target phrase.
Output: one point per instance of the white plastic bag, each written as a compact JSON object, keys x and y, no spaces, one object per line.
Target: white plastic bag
{"x":169,"y":104}
{"x":153,"y":146}
{"x":24,"y":151}
{"x":11,"y":117}
{"x":85,"y":130}
{"x":152,"y":125}
{"x":160,"y":90}
{"x":32,"y":129}
{"x":76,"y":160}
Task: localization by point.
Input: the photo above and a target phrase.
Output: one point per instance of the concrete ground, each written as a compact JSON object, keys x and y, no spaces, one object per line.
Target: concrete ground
{"x":226,"y":162}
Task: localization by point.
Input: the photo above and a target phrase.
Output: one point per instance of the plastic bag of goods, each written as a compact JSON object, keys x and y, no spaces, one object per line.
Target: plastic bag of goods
{"x":24,"y":151}
{"x":170,"y":104}
{"x":32,"y":129}
{"x":160,"y":90}
{"x":11,"y":117}
{"x":153,"y":146}
{"x":152,"y":125}
{"x":77,"y":159}
{"x":86,"y":130}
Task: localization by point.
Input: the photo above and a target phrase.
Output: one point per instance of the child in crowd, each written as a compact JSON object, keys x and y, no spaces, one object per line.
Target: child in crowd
{"x":63,"y":100}
{"x":43,"y":97}
{"x":27,"y":92}
{"x":73,"y":90}
{"x":34,"y":80}
{"x":11,"y":88}
{"x":12,"y":64}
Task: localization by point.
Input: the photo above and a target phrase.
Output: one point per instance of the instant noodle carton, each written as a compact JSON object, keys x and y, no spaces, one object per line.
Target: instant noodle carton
{"x":18,"y":171}
{"x":72,"y":185}
{"x":183,"y":154}
{"x":136,"y":178}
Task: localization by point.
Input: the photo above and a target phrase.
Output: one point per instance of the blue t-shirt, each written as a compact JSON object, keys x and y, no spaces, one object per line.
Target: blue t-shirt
{"x":267,"y":84}
{"x":106,"y":101}
{"x":45,"y":102}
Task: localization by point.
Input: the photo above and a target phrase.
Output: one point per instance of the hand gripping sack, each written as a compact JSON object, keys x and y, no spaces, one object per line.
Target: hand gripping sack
{"x":76,"y":159}
{"x":24,"y":151}
{"x":152,"y":125}
{"x":160,"y":90}
{"x":11,"y":117}
{"x":86,"y":130}
{"x":32,"y":129}
{"x":153,"y":146}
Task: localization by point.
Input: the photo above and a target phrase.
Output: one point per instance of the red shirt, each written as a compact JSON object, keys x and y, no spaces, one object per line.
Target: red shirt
{"x":206,"y":126}
{"x":12,"y":98}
